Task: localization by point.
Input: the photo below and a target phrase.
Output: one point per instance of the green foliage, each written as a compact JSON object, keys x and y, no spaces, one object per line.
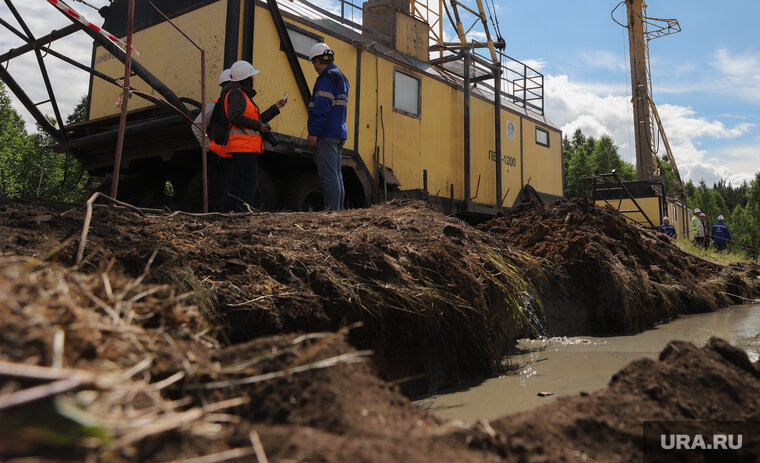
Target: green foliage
{"x":28,"y":169}
{"x":732,"y":196}
{"x":577,"y":168}
{"x":585,"y":156}
{"x":666,"y":171}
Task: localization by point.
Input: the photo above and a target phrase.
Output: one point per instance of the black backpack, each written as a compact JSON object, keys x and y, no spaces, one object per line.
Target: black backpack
{"x":219,"y":126}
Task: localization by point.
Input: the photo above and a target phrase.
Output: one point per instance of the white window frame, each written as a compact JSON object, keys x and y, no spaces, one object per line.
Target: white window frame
{"x":297,"y":31}
{"x":418,"y":114}
{"x":546,"y":133}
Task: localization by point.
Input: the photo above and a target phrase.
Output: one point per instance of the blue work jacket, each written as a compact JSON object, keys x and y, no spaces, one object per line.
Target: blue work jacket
{"x":668,"y":229}
{"x":720,"y":232}
{"x":329,"y":105}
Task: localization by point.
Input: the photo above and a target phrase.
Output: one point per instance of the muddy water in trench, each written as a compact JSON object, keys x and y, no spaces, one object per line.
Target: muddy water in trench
{"x":567,"y":366}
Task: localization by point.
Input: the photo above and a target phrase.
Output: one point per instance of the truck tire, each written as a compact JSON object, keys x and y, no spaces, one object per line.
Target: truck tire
{"x":266,"y":194}
{"x":142,"y":191}
{"x":303,"y":194}
{"x":192,"y":201}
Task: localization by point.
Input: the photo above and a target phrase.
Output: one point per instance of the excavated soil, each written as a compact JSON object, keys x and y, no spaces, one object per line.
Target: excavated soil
{"x":437,"y":300}
{"x":608,"y":276}
{"x":243,"y":339}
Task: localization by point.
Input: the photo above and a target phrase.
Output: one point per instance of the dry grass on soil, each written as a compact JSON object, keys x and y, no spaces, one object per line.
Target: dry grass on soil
{"x":609,"y":276}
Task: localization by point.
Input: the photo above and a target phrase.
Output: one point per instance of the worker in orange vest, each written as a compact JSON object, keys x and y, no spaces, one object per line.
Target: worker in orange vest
{"x":244,"y":142}
{"x":217,"y":192}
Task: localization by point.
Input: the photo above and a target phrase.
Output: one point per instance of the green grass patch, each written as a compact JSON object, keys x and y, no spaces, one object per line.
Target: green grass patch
{"x":727,"y":257}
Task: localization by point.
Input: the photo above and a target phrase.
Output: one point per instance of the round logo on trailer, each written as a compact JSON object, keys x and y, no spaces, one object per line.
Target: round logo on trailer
{"x":511,"y":130}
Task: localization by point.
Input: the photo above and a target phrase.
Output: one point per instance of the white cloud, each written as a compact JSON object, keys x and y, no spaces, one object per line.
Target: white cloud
{"x":739,"y":74}
{"x":603,"y":59}
{"x":595,"y":109}
{"x":598,"y":110}
{"x":535,"y":64}
{"x":681,"y":123}
{"x":69,"y":84}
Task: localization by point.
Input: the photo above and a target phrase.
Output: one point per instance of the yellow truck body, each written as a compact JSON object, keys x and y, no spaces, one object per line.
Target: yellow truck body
{"x":403,"y":152}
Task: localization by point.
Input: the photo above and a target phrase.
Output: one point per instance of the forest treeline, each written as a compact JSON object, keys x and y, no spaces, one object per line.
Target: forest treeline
{"x":739,"y":204}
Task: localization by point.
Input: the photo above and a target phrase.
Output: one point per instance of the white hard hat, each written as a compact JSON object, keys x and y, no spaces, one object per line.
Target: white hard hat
{"x":697,"y":211}
{"x":242,"y":70}
{"x":224,"y":77}
{"x":665,"y":218}
{"x":720,"y":217}
{"x":320,"y":49}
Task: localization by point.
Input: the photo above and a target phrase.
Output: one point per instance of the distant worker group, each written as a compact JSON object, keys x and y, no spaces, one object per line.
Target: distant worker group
{"x":719,"y":233}
{"x":236,"y":128}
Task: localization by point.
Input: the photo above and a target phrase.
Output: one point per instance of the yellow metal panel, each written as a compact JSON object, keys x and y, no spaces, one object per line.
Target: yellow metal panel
{"x":482,"y":143}
{"x":510,"y":157}
{"x":650,"y":205}
{"x":542,"y":166}
{"x":170,"y":57}
{"x":432,"y":142}
{"x":411,"y":36}
{"x":441,"y":138}
{"x":680,"y":218}
{"x":276,"y":77}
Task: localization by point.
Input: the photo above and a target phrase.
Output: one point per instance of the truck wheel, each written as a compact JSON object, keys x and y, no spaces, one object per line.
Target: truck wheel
{"x":192,"y":201}
{"x":266,"y":194}
{"x":303,"y":194}
{"x":142,"y":191}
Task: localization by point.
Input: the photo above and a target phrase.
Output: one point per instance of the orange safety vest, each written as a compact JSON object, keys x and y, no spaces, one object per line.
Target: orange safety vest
{"x":243,"y":139}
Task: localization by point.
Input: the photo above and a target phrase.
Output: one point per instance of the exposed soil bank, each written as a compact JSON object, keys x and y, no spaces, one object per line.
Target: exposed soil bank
{"x":162,"y":390}
{"x":438,"y":299}
{"x":608,"y":276}
{"x":146,"y":370}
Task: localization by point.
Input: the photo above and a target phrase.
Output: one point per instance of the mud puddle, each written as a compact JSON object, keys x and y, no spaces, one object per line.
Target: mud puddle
{"x":550,"y":368}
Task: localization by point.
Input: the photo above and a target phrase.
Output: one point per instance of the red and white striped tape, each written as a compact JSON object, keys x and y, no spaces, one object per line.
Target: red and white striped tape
{"x":71,"y":12}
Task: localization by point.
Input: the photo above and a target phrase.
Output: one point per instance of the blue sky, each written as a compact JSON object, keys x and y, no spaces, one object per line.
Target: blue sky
{"x":706,"y":79}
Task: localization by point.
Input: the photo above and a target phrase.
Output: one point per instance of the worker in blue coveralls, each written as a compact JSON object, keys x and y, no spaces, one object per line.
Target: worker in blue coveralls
{"x":720,"y":234}
{"x":668,"y":228}
{"x":327,"y":123}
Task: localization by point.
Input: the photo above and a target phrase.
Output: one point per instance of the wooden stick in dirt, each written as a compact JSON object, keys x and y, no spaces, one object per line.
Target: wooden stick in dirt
{"x":217,"y":457}
{"x":26,"y":371}
{"x":44,"y":391}
{"x":261,"y":456}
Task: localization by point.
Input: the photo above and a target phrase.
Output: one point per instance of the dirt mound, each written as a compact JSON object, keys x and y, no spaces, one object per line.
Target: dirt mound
{"x":613,"y":276}
{"x":158,"y":389}
{"x":438,"y":300}
{"x":714,"y":383}
{"x":137,"y":378}
{"x":132,"y":360}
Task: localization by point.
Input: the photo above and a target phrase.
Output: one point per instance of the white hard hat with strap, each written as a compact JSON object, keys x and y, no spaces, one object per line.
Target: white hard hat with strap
{"x":320,"y":49}
{"x":241,"y":70}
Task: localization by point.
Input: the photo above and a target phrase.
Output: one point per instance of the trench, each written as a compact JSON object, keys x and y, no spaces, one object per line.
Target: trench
{"x":542,"y":370}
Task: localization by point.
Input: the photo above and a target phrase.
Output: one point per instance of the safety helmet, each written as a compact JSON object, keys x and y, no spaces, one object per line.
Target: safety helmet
{"x":720,"y":217}
{"x":241,"y":70}
{"x":320,"y":49}
{"x":697,"y":211}
{"x":224,"y":77}
{"x":665,"y":218}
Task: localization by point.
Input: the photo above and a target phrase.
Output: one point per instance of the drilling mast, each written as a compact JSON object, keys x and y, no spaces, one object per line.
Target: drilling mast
{"x":647,"y":123}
